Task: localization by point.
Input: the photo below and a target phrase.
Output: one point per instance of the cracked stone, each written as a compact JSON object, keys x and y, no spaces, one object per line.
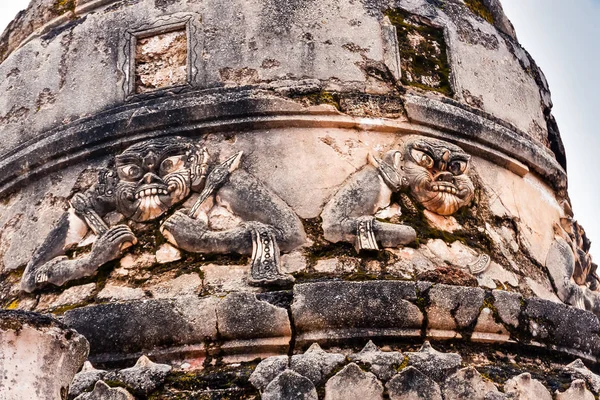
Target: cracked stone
{"x":290,"y":385}
{"x":353,"y":383}
{"x":411,"y":384}
{"x":523,"y":387}
{"x":267,"y":370}
{"x":74,"y":295}
{"x":453,"y":307}
{"x":145,"y":376}
{"x":382,"y":363}
{"x":85,"y":379}
{"x":316,"y":364}
{"x":433,"y":363}
{"x":104,"y":392}
{"x":508,"y":306}
{"x":488,"y":330}
{"x":468,"y":384}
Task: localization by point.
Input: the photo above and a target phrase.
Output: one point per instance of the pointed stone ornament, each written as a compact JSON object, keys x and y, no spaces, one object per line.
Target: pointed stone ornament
{"x":145,"y":376}
{"x":104,"y":392}
{"x":353,"y":383}
{"x":382,"y":363}
{"x":523,"y":387}
{"x":577,"y":391}
{"x":85,"y":379}
{"x":437,"y":365}
{"x":467,"y":383}
{"x":315,"y":363}
{"x":290,"y":385}
{"x":267,"y":370}
{"x":411,"y":384}
{"x":578,"y":369}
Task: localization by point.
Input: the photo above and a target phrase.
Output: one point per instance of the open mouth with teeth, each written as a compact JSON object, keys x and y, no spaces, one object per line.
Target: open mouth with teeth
{"x":152,"y":191}
{"x":444,"y":187}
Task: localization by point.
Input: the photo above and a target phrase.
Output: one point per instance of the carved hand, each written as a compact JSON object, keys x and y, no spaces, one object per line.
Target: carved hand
{"x":112,"y":244}
{"x":180,"y":227}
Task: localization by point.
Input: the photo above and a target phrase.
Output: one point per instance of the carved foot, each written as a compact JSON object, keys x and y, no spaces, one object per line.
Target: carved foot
{"x":265,"y":268}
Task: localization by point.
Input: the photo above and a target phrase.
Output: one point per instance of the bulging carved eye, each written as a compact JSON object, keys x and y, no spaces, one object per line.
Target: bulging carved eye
{"x":457,"y":167}
{"x":130,"y":172}
{"x":172,"y":164}
{"x":422,"y":158}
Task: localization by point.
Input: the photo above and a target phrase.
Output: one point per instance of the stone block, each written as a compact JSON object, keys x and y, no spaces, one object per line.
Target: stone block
{"x":136,"y":326}
{"x":436,"y":365}
{"x":329,"y":310}
{"x":577,"y":391}
{"x":453,"y":308}
{"x":104,"y":392}
{"x":316,"y":364}
{"x":290,"y":385}
{"x":353,"y":383}
{"x":383,"y":364}
{"x":411,"y":384}
{"x":565,"y":326}
{"x":39,"y":356}
{"x":468,"y":384}
{"x":508,"y":306}
{"x":267,"y":370}
{"x":523,"y":387}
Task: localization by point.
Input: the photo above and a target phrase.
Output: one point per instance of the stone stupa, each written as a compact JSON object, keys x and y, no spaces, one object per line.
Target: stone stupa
{"x":283,"y":199}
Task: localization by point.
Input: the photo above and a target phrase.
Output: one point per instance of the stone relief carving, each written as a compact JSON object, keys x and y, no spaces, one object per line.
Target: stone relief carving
{"x":151,"y":180}
{"x":433,"y":171}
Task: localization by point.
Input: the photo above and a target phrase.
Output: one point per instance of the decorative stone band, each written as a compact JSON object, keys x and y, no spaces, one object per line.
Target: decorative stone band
{"x":248,"y":326}
{"x":244,"y":110}
{"x":38,"y":355}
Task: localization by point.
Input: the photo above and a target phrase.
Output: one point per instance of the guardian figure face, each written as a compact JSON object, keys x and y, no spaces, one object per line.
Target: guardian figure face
{"x":154,"y":176}
{"x":436,"y":172}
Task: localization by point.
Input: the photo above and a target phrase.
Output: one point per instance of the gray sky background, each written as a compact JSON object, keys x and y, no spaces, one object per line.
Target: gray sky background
{"x":562,"y":36}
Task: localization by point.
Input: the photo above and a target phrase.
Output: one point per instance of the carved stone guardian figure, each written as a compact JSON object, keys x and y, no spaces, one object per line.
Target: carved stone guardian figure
{"x":433,"y":171}
{"x":152,"y":179}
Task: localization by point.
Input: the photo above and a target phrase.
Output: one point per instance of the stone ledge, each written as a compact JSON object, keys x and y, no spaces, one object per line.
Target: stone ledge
{"x":219,"y":110}
{"x":240,"y":325}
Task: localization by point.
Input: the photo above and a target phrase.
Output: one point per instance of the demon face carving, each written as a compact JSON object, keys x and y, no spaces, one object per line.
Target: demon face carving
{"x":436,"y":173}
{"x":155,"y":175}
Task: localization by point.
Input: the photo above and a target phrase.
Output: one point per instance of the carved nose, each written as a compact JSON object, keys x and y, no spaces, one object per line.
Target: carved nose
{"x":151,"y":178}
{"x":444,"y":177}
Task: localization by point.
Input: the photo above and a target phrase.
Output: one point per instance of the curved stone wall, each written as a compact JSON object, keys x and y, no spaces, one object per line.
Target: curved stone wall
{"x":208,"y":183}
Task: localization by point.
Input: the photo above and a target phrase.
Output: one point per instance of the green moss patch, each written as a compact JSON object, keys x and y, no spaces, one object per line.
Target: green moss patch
{"x":480,"y":9}
{"x":423,"y":53}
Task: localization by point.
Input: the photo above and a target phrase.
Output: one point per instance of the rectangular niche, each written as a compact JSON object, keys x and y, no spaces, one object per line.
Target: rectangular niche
{"x":159,"y":58}
{"x":423,"y":52}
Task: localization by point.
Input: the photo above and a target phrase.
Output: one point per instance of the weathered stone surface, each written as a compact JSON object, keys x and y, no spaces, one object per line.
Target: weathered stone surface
{"x":411,"y":384}
{"x":487,"y":329}
{"x":316,"y":364}
{"x":453,"y":307}
{"x":227,"y":278}
{"x":563,"y":325}
{"x":293,"y":262}
{"x":75,"y":295}
{"x":435,"y":364}
{"x":104,"y":392}
{"x":38,"y":356}
{"x":468,"y":384}
{"x":577,"y":391}
{"x":508,"y":306}
{"x":523,"y":387}
{"x":243,"y":316}
{"x":267,"y":370}
{"x":85,"y":380}
{"x":145,"y":376}
{"x":383,"y":364}
{"x":355,"y":309}
{"x":353,"y":383}
{"x":113,"y":292}
{"x":290,"y":385}
{"x":140,"y":325}
{"x":167,"y":253}
{"x":184,"y":285}
{"x":578,"y":370}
